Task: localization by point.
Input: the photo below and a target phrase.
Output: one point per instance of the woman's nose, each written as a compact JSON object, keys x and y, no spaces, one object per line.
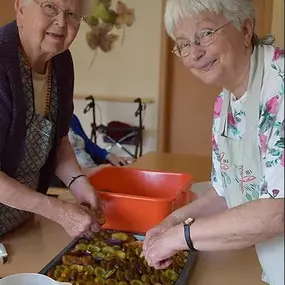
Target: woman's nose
{"x":61,"y":19}
{"x":195,"y":54}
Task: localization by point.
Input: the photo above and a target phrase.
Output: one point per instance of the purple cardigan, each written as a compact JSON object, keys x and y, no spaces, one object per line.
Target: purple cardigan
{"x":12,"y":106}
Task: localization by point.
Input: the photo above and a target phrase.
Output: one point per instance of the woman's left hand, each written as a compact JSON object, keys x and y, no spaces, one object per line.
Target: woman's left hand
{"x":117,"y":160}
{"x":162,"y":247}
{"x":86,"y":195}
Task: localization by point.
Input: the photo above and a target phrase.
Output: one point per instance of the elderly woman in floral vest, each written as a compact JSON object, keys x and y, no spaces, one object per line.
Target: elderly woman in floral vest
{"x":216,"y":41}
{"x":36,"y":106}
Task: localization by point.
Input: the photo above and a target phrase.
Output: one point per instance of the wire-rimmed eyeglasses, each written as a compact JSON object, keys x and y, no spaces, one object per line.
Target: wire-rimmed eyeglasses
{"x":50,"y":9}
{"x":204,"y":39}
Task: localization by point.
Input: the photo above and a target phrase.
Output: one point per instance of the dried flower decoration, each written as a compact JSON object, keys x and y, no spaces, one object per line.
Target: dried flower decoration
{"x":103,"y":21}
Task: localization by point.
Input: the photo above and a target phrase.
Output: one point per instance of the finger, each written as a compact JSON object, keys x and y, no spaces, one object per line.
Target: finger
{"x":150,"y":242}
{"x":88,"y":234}
{"x":115,"y":162}
{"x":101,"y":220}
{"x":95,"y":228}
{"x":123,"y":161}
{"x":163,"y":264}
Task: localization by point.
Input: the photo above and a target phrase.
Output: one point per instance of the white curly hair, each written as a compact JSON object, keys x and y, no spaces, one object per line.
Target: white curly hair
{"x":236,"y":11}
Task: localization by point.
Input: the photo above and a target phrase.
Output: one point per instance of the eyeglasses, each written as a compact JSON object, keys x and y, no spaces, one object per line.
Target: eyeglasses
{"x":204,"y":39}
{"x":52,"y":10}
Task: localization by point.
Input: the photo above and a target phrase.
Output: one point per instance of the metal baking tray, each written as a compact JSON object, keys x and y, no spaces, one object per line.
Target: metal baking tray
{"x":183,"y":279}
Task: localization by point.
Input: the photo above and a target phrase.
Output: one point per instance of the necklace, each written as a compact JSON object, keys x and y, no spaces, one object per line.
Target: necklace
{"x":49,"y":80}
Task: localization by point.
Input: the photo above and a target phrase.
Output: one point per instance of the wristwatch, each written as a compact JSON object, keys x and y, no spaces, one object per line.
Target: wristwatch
{"x":3,"y":254}
{"x":187,"y":223}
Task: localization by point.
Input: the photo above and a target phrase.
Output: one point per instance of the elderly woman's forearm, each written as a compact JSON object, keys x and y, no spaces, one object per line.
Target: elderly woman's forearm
{"x":209,"y":204}
{"x":67,"y":165}
{"x":240,"y":227}
{"x":16,"y":195}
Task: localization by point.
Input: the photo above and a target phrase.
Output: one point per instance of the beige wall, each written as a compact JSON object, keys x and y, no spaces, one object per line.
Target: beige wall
{"x":130,"y":70}
{"x":277,"y":27}
{"x":7,"y":12}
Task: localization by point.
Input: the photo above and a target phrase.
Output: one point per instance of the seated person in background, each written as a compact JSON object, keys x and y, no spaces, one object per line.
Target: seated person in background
{"x":89,"y":155}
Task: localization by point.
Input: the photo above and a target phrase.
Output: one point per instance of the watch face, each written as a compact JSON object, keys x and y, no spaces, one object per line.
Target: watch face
{"x":189,"y":221}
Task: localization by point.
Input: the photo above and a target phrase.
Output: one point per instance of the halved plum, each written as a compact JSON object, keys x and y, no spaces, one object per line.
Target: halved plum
{"x":77,"y":267}
{"x":108,"y":250}
{"x":111,"y":282}
{"x":154,"y":279}
{"x":129,"y":275}
{"x":89,"y":269}
{"x":81,"y":247}
{"x":109,"y":273}
{"x":120,"y":275}
{"x":120,"y":236}
{"x":171,"y":275}
{"x":145,"y":278}
{"x":93,"y":248}
{"x":136,"y":282}
{"x":99,"y":281}
{"x":165,"y":281}
{"x":99,"y":271}
{"x":120,"y":254}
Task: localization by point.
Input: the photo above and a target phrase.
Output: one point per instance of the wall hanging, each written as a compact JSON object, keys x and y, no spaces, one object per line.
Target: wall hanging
{"x":108,"y":16}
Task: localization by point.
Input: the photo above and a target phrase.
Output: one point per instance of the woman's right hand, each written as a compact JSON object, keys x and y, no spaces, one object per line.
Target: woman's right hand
{"x":166,"y":224}
{"x":77,"y":220}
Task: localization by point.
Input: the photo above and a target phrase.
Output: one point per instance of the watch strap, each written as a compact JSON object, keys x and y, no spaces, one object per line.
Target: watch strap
{"x":188,"y":237}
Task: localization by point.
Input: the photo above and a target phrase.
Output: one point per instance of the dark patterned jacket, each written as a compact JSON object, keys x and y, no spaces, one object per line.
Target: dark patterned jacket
{"x":12,"y":106}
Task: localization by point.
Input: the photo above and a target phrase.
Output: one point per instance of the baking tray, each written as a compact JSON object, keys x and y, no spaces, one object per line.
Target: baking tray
{"x":183,"y":279}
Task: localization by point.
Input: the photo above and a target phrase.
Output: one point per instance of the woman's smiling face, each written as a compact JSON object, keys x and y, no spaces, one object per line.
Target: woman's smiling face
{"x":50,"y":26}
{"x":225,"y":47}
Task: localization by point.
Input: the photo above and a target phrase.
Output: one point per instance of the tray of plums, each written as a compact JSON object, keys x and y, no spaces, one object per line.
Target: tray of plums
{"x":114,"y":258}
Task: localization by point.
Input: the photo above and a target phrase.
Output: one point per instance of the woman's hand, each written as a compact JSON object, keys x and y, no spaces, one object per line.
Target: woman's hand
{"x":153,"y":233}
{"x":77,"y":220}
{"x":117,"y":160}
{"x":86,"y":195}
{"x":162,"y":247}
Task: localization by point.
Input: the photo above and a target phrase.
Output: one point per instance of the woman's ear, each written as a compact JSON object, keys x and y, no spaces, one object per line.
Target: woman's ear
{"x":248,"y":31}
{"x":18,"y":6}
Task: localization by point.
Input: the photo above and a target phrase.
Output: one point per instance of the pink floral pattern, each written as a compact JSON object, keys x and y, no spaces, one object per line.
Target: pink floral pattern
{"x":272,"y":105}
{"x":278,"y":53}
{"x":218,"y":107}
{"x":263,"y":143}
{"x":231,"y":120}
{"x":214,"y":144}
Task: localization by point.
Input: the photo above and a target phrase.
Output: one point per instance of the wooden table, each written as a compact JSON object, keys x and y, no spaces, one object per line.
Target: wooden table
{"x":32,"y":246}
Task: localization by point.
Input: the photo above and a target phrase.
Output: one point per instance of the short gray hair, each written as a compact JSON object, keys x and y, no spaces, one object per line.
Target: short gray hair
{"x":87,"y":9}
{"x":236,"y":11}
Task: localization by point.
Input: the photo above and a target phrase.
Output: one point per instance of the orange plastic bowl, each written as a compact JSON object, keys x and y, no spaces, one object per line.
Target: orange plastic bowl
{"x":140,"y":199}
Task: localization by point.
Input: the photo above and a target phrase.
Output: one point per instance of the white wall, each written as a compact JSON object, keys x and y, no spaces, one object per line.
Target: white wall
{"x":129,"y":70}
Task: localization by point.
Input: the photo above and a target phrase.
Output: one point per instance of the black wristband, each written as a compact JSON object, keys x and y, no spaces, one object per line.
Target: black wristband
{"x":74,"y":178}
{"x":188,"y":238}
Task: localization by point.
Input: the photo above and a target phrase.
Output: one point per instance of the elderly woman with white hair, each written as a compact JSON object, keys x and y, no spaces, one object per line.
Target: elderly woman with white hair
{"x":216,"y":41}
{"x":36,"y":106}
